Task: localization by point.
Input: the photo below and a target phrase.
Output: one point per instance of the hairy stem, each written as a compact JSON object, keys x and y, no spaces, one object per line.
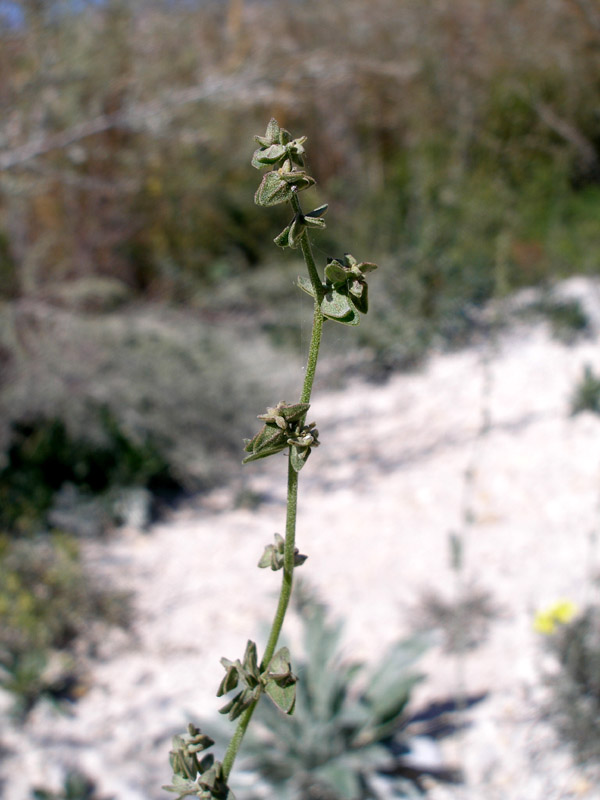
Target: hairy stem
{"x":291,"y":508}
{"x":308,"y":256}
{"x":284,"y":599}
{"x":288,"y":565}
{"x":236,"y":740}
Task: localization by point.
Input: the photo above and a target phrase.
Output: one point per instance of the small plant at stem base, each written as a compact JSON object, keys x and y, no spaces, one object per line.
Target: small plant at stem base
{"x":340,"y":295}
{"x":586,"y":396}
{"x":574,"y":639}
{"x":347,"y":716}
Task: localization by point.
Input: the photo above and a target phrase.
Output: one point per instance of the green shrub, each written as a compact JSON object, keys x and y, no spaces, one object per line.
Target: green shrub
{"x":47,"y":603}
{"x":77,"y":786}
{"x":345,"y":714}
{"x":567,"y":318}
{"x":148,"y":398}
{"x":463,"y":621}
{"x":504,"y":138}
{"x":43,"y":458}
{"x":586,"y":396}
{"x":575,"y":689}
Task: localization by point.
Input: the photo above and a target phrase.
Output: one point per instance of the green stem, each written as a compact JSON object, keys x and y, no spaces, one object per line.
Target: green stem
{"x":313,"y":354}
{"x":288,"y":565}
{"x":236,"y":740}
{"x":291,"y":509}
{"x":308,"y":256}
{"x":284,"y":599}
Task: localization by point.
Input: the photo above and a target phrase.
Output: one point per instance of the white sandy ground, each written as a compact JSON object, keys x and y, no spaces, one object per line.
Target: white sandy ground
{"x":377,"y":502}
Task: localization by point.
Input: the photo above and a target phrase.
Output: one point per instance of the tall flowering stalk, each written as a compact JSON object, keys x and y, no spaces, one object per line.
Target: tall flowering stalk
{"x":340,"y":296}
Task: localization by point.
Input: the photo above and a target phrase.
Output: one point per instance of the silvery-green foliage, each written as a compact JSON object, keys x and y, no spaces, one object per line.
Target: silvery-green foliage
{"x":575,"y":687}
{"x":345,"y":712}
{"x":165,"y":377}
{"x":586,"y":395}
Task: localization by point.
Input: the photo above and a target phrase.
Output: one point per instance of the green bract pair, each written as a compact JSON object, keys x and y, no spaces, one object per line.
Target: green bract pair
{"x":274,"y":554}
{"x":278,"y":149}
{"x":284,"y":427}
{"x":345,"y":289}
{"x":277,"y":680}
{"x":202,"y":778}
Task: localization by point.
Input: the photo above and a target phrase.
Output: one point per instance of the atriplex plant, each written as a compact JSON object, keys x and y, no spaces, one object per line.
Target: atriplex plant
{"x":339,"y":297}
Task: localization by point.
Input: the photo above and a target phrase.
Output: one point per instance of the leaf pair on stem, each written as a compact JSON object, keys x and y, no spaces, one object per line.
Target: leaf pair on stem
{"x":277,"y":681}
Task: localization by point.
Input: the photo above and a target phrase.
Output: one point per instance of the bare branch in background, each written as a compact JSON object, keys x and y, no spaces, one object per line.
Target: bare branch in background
{"x":567,"y":131}
{"x":146,"y":116}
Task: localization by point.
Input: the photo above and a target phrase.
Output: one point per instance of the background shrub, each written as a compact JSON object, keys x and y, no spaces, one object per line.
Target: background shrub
{"x":137,"y":398}
{"x":462,"y":154}
{"x":47,"y":602}
{"x":586,"y":395}
{"x":348,"y":723}
{"x":575,"y":688}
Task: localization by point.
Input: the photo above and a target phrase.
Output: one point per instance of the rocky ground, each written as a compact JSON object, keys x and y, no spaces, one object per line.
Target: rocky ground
{"x":378,"y":501}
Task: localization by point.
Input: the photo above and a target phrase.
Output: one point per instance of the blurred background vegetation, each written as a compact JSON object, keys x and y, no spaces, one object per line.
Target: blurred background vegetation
{"x":458,"y":144}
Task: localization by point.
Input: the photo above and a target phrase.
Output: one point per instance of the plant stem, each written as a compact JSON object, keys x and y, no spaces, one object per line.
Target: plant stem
{"x":288,"y":565}
{"x":308,"y":257}
{"x":284,"y":599}
{"x":236,"y":740}
{"x":291,"y":506}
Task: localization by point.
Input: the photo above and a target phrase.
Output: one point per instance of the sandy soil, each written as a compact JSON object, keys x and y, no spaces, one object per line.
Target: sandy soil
{"x":378,"y":500}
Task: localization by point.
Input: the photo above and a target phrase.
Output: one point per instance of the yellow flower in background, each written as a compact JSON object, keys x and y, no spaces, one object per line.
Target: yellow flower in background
{"x":559,"y":613}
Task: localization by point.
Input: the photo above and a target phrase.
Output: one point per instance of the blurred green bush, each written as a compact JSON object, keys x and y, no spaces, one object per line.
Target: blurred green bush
{"x":457,"y":142}
{"x":126,"y":132}
{"x":76,"y":786}
{"x":586,"y":393}
{"x":575,"y":686}
{"x":47,"y":601}
{"x":142,"y":398}
{"x":349,"y":722}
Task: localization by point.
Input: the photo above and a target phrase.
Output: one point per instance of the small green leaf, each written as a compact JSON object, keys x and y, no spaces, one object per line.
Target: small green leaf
{"x":366,"y":266}
{"x":297,"y":228}
{"x":230,"y":681}
{"x":317,"y":212}
{"x":250,"y":662}
{"x":212,"y":784}
{"x":273,"y":555}
{"x":270,"y":155}
{"x":272,"y":134}
{"x":284,"y":135}
{"x":283,"y":238}
{"x":273,"y":190}
{"x":182,"y":787}
{"x":280,"y":682}
{"x":266,"y":560}
{"x":263,"y":454}
{"x":284,"y":697}
{"x":306,"y":286}
{"x":315,"y":223}
{"x":280,"y":665}
{"x":288,"y":412}
{"x":335,"y":273}
{"x":337,"y":306}
{"x":270,"y":435}
{"x":360,"y":296}
{"x":271,"y":439}
{"x":243,"y":701}
{"x":299,"y":457}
